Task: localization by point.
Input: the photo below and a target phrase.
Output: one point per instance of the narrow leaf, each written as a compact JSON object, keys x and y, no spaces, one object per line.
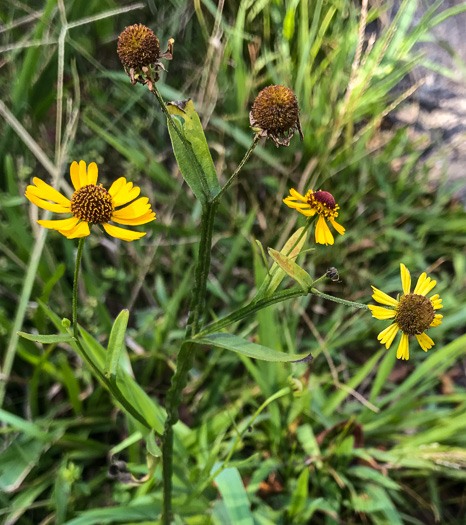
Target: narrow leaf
{"x":116,"y":344}
{"x":241,"y":346}
{"x":292,"y":269}
{"x":47,"y":339}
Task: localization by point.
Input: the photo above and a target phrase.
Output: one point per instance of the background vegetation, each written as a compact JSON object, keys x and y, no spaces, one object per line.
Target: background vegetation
{"x":369,"y":439}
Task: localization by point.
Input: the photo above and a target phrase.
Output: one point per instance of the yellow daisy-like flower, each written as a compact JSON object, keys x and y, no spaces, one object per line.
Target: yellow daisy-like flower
{"x":322,"y":203}
{"x":413,"y":313}
{"x":92,"y":204}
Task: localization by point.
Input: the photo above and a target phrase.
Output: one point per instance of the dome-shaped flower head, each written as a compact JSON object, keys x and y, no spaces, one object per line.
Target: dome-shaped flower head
{"x":413,"y":313}
{"x":92,"y":204}
{"x":275,"y":113}
{"x":139,"y":48}
{"x":322,"y":203}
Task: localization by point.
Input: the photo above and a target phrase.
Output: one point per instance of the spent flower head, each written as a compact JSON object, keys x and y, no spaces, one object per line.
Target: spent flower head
{"x":139,"y":52}
{"x":92,"y":204}
{"x":322,"y":203}
{"x":413,"y":313}
{"x":275,"y":113}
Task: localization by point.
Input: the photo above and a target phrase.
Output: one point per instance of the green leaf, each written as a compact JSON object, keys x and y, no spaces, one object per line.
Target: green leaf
{"x":116,"y":344}
{"x":292,"y":269}
{"x":47,"y":339}
{"x":192,"y":154}
{"x":230,"y":486}
{"x":241,"y":346}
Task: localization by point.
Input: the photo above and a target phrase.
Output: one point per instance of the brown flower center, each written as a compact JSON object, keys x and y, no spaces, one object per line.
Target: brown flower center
{"x":138,"y":47}
{"x":325,"y":198}
{"x":414,"y":314}
{"x":276,"y":109}
{"x":323,"y":203}
{"x":92,"y":204}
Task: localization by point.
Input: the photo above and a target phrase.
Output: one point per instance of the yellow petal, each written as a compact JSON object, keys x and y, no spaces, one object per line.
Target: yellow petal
{"x":308,"y":213}
{"x":405,"y":279}
{"x":148,"y":217}
{"x":420,"y":282}
{"x":74,"y":173}
{"x":92,"y":173}
{"x":436,"y":302}
{"x":425,"y":342}
{"x":126,"y":194}
{"x":383,"y":298}
{"x":297,"y":195}
{"x":437,"y":321}
{"x":426,"y":286}
{"x":323,"y":233}
{"x":82,"y":174}
{"x":403,"y":348}
{"x":57,"y":208}
{"x":337,"y":226}
{"x":80,"y":230}
{"x":381,"y":313}
{"x":45,"y":195}
{"x":386,"y":336}
{"x":116,"y":186}
{"x":49,"y":193}
{"x":134,"y":210}
{"x":121,"y":233}
{"x":61,"y":225}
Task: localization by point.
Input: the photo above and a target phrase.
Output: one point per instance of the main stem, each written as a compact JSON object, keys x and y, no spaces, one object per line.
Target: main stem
{"x":75,"y":286}
{"x":185,"y":356}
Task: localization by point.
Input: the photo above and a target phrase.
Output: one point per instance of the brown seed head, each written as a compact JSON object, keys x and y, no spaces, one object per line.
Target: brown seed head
{"x":414,"y":314}
{"x":92,"y":203}
{"x":138,"y":47}
{"x":325,"y":198}
{"x":276,"y":110}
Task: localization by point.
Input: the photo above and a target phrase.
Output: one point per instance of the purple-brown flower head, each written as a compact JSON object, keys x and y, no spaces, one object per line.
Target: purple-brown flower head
{"x":275,"y":113}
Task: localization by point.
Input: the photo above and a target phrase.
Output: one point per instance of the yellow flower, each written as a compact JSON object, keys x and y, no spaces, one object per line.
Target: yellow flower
{"x":322,"y":203}
{"x":92,"y":204}
{"x":413,"y":313}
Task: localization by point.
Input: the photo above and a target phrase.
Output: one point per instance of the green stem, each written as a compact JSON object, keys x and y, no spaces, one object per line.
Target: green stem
{"x":75,"y":286}
{"x":338,"y":300}
{"x":184,"y":360}
{"x":248,"y":153}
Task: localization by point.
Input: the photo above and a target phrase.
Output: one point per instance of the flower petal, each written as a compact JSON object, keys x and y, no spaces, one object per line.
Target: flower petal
{"x":386,"y":336}
{"x":80,"y":230}
{"x":337,"y":226}
{"x":121,"y":233}
{"x":92,"y":173}
{"x":425,"y":342}
{"x":383,"y":298}
{"x":82,"y":174}
{"x":436,"y":302}
{"x":46,"y":205}
{"x":323,"y":233}
{"x":403,"y":348}
{"x":405,"y":279}
{"x":437,"y":321}
{"x":427,"y":286}
{"x":381,"y":313}
{"x":46,"y":192}
{"x":126,"y":194}
{"x":74,"y":174}
{"x":135,"y":209}
{"x":116,"y":186}
{"x":297,"y":195}
{"x":61,"y":225}
{"x":420,"y":282}
{"x":143,"y":219}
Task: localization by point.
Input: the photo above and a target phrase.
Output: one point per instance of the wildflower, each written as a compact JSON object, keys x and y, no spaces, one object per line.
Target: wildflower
{"x":275,"y":113}
{"x":92,"y":204}
{"x":139,"y":51}
{"x":322,"y":203}
{"x":413,"y":313}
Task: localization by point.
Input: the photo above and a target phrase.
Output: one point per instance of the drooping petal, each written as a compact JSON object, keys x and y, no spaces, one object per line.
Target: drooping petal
{"x":403,"y":348}
{"x":386,"y":336}
{"x":121,"y":233}
{"x":143,"y":219}
{"x":297,"y":195}
{"x":337,"y":226}
{"x":405,"y":279}
{"x":437,"y":320}
{"x":92,"y":173}
{"x":425,"y":342}
{"x":74,"y":173}
{"x":80,"y":230}
{"x":116,"y":186}
{"x":127,"y":194}
{"x":83,"y":174}
{"x":323,"y":233}
{"x":61,"y":225}
{"x":134,"y":210}
{"x":46,"y":192}
{"x":57,"y":208}
{"x":379,"y":312}
{"x":383,"y":298}
{"x":307,"y":212}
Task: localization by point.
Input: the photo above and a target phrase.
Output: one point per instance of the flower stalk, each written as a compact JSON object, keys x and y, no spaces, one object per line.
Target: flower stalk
{"x":79,"y":255}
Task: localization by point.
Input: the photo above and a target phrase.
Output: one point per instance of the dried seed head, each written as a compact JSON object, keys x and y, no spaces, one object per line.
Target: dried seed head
{"x":138,"y":47}
{"x":276,"y":113}
{"x":92,"y":203}
{"x":414,"y":314}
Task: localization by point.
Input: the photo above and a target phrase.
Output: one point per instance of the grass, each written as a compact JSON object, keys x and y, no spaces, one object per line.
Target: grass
{"x":354,"y":437}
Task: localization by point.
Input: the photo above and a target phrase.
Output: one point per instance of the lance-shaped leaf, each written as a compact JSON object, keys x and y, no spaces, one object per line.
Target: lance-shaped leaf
{"x":47,"y":339}
{"x":241,"y":346}
{"x":115,"y":344}
{"x":292,"y":269}
{"x":192,"y":153}
{"x":292,"y":248}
